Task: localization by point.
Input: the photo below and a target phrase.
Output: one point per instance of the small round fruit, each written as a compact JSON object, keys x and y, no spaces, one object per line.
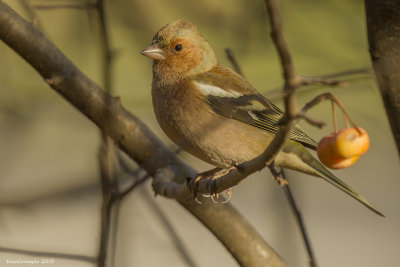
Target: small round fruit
{"x":329,"y":158}
{"x":325,"y":150}
{"x":349,"y":142}
{"x":340,"y":163}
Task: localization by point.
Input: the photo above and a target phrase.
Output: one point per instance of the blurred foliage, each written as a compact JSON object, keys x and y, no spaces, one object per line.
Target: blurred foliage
{"x":324,"y":36}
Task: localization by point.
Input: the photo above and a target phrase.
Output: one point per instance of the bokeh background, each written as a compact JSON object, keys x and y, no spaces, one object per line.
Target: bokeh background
{"x":49,"y":175}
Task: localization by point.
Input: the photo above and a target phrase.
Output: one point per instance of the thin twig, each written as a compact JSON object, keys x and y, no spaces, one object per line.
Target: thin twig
{"x":108,"y":180}
{"x":306,"y":80}
{"x":180,"y":247}
{"x":231,"y":57}
{"x":311,"y":121}
{"x":325,"y":80}
{"x":134,"y":184}
{"x":300,"y":221}
{"x":335,"y":126}
{"x":363,"y":70}
{"x":108,"y":186}
{"x":280,"y":177}
{"x":331,"y":97}
{"x":169,"y":228}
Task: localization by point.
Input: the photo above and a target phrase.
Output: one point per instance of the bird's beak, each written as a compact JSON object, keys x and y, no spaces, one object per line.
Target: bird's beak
{"x":153,"y":52}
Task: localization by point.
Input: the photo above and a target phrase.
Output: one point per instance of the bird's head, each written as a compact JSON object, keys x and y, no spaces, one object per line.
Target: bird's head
{"x":178,"y":48}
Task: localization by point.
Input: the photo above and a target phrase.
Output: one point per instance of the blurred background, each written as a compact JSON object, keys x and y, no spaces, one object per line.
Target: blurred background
{"x":50,"y":193}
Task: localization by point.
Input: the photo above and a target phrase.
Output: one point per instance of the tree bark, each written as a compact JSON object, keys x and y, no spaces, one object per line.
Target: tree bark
{"x":383,"y":25}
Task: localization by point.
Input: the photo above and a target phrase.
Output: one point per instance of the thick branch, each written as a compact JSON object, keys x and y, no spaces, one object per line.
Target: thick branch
{"x":131,"y":135}
{"x":383,"y":24}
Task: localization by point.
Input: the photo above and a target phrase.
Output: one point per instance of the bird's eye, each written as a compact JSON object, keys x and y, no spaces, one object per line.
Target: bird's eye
{"x":178,"y":47}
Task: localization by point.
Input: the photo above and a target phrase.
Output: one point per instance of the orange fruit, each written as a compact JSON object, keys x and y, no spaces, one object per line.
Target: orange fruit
{"x":349,"y":142}
{"x":326,"y":153}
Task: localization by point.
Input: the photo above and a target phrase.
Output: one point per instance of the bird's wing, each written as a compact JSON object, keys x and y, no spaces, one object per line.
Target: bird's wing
{"x":230,"y":95}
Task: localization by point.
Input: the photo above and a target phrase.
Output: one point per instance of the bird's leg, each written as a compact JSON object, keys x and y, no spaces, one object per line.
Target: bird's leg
{"x":277,"y":176}
{"x":211,"y":176}
{"x":212,"y":187}
{"x":193,"y":183}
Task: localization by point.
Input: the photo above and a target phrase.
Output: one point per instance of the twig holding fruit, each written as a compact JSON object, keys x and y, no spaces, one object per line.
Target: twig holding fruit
{"x":342,"y":148}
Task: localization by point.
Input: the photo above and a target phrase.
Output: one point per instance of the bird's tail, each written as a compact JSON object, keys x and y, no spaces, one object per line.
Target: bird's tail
{"x":331,"y":178}
{"x":314,"y":167}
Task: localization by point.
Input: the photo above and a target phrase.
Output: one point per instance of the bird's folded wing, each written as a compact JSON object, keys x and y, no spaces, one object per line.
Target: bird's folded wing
{"x":231,"y":96}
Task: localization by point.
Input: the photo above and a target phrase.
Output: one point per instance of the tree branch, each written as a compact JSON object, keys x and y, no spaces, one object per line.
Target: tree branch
{"x":300,"y":222}
{"x":328,"y":79}
{"x":108,"y":179}
{"x":383,"y":25}
{"x":231,"y":57}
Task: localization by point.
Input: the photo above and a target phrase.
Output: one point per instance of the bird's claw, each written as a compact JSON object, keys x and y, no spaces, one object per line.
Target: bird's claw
{"x":211,"y":176}
{"x":193,"y":185}
{"x":215,"y":197}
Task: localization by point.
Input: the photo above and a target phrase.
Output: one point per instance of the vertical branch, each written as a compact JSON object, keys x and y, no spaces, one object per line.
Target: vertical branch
{"x":106,"y":50}
{"x":300,"y":222}
{"x":289,"y":72}
{"x":383,"y":25}
{"x":135,"y":174}
{"x":292,"y":82}
{"x":179,"y":245}
{"x":108,"y":180}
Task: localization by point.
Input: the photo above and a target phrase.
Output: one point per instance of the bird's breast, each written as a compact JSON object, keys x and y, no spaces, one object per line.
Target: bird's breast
{"x":220,"y":141}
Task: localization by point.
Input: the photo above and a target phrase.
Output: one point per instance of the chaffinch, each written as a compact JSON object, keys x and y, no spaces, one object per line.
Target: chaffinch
{"x":214,"y":113}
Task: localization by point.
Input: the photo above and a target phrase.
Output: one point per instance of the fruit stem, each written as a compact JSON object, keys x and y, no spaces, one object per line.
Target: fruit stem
{"x":334,"y":117}
{"x":346,"y":120}
{"x":346,"y":116}
{"x":329,"y":96}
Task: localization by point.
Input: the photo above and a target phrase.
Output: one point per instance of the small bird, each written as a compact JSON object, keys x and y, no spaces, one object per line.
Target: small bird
{"x":215,"y":114}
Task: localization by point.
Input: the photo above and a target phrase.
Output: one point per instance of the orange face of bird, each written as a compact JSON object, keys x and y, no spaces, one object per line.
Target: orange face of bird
{"x":180,"y":48}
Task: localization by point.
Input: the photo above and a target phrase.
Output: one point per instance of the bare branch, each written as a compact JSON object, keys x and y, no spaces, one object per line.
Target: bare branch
{"x":319,"y":80}
{"x":109,"y":182}
{"x":277,"y":92}
{"x":134,"y":184}
{"x":108,"y":186}
{"x":275,"y":22}
{"x":331,"y":97}
{"x":310,"y":120}
{"x":300,"y":222}
{"x":383,"y":26}
{"x":169,"y":228}
{"x":231,"y":57}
